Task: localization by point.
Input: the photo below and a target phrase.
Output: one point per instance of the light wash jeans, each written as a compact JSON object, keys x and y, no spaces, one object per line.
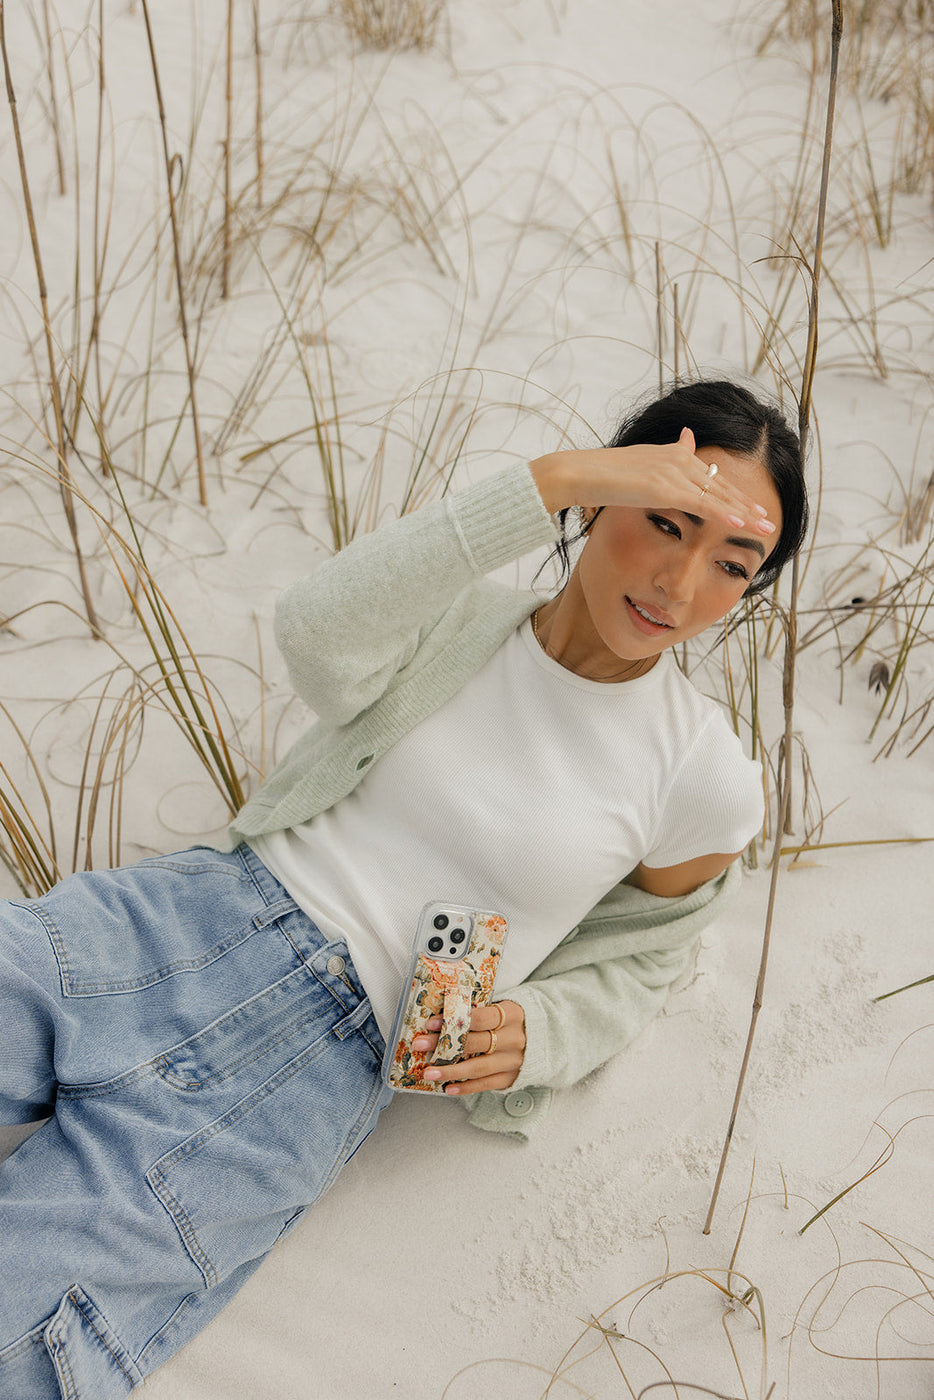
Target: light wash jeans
{"x":210,"y":1061}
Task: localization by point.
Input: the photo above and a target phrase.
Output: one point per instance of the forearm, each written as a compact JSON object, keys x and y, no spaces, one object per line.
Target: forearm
{"x":347,"y":628}
{"x":654,"y":475}
{"x":578,"y":1020}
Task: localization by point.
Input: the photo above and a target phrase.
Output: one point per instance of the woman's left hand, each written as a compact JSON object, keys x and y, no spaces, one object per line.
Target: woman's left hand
{"x":479,"y":1069}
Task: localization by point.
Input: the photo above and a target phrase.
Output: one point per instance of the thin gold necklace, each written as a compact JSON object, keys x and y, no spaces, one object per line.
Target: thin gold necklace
{"x":623,"y":676}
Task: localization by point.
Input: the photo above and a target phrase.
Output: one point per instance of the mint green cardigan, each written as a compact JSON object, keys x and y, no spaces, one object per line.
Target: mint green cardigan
{"x":376,"y":639}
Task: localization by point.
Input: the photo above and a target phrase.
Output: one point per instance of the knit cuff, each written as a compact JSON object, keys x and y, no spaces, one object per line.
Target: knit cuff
{"x":514,"y":1114}
{"x":534,"y":1069}
{"x":502,"y":518}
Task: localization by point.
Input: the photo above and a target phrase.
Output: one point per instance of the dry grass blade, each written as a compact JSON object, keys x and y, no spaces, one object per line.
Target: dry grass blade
{"x":907,"y":988}
{"x":30,"y":856}
{"x":790,"y":619}
{"x":393,"y":24}
{"x":228,"y":136}
{"x":170,"y":165}
{"x":258,"y":111}
{"x":64,"y":476}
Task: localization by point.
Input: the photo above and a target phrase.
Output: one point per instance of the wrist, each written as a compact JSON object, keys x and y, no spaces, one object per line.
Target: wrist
{"x":550,"y":477}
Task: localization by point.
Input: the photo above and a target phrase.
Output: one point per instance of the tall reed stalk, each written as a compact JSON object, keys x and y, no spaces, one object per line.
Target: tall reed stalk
{"x":258,"y":113}
{"x":170,"y":165}
{"x":228,"y":132}
{"x":53,"y":100}
{"x":63,"y":473}
{"x":790,"y":617}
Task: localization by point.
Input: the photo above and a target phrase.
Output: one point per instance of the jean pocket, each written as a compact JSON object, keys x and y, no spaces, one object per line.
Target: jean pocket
{"x":116,"y":931}
{"x":232,"y":1187}
{"x":236,"y":1046}
{"x":74,"y":1354}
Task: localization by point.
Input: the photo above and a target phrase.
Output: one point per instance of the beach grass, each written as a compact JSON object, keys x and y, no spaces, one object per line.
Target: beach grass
{"x":217,"y":341}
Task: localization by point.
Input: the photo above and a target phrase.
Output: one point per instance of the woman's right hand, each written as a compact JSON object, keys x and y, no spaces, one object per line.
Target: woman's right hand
{"x":645,"y":475}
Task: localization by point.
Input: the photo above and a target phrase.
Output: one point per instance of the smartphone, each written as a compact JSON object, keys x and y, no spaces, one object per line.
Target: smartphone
{"x":454,"y":961}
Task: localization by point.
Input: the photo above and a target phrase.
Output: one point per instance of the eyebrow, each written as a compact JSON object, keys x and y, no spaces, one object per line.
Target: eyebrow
{"x":741,"y":541}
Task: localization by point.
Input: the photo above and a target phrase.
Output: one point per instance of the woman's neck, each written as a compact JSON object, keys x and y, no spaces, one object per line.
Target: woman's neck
{"x":565,"y":633}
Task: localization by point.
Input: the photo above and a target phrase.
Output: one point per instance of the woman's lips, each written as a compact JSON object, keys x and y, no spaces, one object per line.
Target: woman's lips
{"x":643,"y":624}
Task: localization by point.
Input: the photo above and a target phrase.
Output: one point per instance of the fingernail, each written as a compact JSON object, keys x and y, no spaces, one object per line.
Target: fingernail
{"x":766,"y":527}
{"x":737,"y":521}
{"x":434,"y":1024}
{"x":432,"y":1074}
{"x":761,"y":510}
{"x":421,"y":1043}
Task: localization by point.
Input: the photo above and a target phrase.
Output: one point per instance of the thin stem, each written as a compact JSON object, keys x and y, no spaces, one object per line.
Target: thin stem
{"x":64,"y":476}
{"x":228,"y":123}
{"x":173,"y":215}
{"x":258,"y":117}
{"x":53,"y":100}
{"x":790,"y":618}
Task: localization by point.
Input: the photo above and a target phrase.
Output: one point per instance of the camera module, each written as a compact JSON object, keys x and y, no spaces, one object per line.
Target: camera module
{"x":441,"y":921}
{"x":435,"y":945}
{"x":457,"y":935}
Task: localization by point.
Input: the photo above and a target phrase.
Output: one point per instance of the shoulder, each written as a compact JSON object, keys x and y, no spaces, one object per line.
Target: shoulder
{"x":714,"y":800}
{"x":709,"y":740}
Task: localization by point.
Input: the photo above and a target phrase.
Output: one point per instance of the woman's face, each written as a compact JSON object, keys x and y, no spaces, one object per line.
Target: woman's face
{"x":649,"y":579}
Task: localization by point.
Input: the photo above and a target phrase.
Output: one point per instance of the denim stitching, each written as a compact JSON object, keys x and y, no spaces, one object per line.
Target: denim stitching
{"x":353,"y":1135}
{"x":56,"y":1347}
{"x":158,"y":1181}
{"x":159,"y":1063}
{"x":247,"y":1058}
{"x":182,"y":1222}
{"x":73,"y":987}
{"x":142,"y":1361}
{"x":35,"y":1337}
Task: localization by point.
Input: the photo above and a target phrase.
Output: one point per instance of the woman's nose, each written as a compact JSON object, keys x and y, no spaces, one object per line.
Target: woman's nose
{"x":678,"y":576}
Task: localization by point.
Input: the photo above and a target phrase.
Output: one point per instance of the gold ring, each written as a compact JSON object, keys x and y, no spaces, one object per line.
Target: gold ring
{"x":502,"y":1015}
{"x":492,"y":1035}
{"x":704,"y":490}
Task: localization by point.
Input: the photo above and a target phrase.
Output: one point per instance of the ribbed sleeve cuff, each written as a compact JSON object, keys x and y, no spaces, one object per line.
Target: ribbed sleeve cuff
{"x":502,"y":518}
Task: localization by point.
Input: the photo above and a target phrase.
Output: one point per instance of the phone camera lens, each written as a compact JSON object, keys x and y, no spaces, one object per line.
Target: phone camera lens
{"x":435,"y":945}
{"x":457,"y":935}
{"x":441,"y":921}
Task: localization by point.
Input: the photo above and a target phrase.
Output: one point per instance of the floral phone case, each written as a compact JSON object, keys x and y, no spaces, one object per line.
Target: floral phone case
{"x":453,"y":966}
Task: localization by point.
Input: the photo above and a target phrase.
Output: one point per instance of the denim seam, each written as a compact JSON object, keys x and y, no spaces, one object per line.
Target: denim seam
{"x":34,"y":1337}
{"x":352,"y":1136}
{"x":60,"y":1357}
{"x":183,"y":1224}
{"x":283,"y":1033}
{"x":158,"y":1063}
{"x":74,"y":988}
{"x":184,"y":1306}
{"x":158,"y":1181}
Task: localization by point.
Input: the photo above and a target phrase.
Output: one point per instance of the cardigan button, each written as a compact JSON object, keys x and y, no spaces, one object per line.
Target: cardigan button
{"x":518,"y":1103}
{"x":367,"y":758}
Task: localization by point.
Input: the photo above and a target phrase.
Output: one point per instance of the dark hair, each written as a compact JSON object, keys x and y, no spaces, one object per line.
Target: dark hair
{"x":722,"y":414}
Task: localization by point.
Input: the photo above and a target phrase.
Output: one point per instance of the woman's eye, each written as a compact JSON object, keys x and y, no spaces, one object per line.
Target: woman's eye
{"x":667,"y":527}
{"x":735,"y":570}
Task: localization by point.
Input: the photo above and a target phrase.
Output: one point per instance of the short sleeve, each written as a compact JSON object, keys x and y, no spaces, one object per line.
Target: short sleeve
{"x":715,"y":803}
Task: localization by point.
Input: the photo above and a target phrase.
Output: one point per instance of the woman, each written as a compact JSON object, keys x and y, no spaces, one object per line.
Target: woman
{"x":208,"y":1027}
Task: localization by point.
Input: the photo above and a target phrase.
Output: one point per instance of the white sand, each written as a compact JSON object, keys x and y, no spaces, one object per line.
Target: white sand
{"x":495,"y":149}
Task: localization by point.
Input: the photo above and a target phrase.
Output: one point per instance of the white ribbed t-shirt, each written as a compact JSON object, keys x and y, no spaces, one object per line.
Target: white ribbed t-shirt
{"x":531,"y":792}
